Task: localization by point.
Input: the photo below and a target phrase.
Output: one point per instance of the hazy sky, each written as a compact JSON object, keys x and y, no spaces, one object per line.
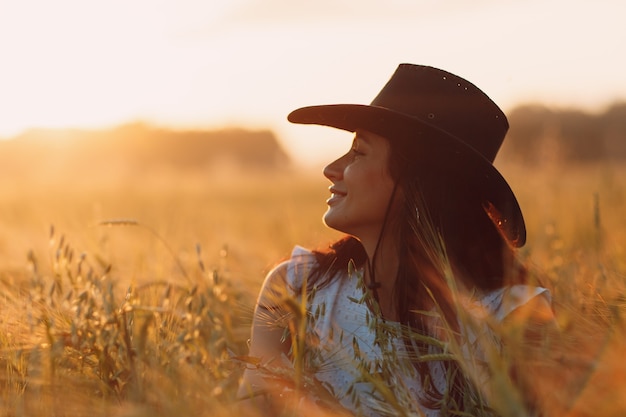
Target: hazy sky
{"x":207,"y":63}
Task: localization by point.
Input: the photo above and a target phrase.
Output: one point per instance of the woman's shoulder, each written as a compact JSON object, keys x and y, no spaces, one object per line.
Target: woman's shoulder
{"x":287,"y":276}
{"x":503,"y":301}
{"x":293,"y":272}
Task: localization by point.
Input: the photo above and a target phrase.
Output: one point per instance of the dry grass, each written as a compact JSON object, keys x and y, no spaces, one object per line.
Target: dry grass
{"x":131,"y":298}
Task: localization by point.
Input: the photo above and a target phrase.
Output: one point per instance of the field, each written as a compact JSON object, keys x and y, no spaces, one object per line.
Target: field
{"x":133,"y":297}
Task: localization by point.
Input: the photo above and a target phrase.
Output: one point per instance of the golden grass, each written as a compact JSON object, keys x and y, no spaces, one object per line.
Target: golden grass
{"x":131,"y":298}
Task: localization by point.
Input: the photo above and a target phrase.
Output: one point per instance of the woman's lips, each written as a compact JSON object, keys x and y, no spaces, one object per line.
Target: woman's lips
{"x":335,"y":195}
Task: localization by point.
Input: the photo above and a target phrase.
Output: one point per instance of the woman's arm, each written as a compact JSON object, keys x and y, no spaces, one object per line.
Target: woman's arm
{"x":261,"y":386}
{"x":535,"y":319}
{"x":535,"y":340}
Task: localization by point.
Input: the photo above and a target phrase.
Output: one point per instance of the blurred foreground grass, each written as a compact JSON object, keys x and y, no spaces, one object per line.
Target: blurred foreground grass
{"x":132,"y":298}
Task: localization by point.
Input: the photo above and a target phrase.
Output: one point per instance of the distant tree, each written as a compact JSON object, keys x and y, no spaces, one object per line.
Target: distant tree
{"x":538,"y":134}
{"x":614,"y":122}
{"x":581,"y":136}
{"x":529,"y":126}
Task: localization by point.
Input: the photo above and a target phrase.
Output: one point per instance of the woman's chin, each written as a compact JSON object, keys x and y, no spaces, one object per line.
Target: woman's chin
{"x":331,"y":221}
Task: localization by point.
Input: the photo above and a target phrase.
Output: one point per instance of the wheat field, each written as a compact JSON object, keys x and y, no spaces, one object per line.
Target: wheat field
{"x":133,"y":297}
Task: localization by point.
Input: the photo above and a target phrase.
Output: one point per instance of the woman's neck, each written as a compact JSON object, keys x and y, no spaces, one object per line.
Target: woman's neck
{"x":381,"y":276}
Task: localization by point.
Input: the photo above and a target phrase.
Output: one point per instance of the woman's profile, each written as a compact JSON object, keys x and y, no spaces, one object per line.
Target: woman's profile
{"x":378,"y":321}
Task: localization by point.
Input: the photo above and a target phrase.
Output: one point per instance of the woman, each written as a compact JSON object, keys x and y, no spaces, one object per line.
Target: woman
{"x":398,"y":316}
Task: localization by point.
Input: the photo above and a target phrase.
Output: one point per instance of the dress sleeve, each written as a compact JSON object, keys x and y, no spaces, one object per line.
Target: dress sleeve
{"x":502,"y":302}
{"x":299,"y":267}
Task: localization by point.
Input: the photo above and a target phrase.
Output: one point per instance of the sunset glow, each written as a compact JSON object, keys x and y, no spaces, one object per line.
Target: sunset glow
{"x":249,"y":62}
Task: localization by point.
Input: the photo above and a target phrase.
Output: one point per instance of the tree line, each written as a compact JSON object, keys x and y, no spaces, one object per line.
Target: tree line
{"x":138,"y":150}
{"x":540,"y":134}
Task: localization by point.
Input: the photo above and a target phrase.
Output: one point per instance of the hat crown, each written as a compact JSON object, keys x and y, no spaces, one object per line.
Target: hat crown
{"x":447,"y":102}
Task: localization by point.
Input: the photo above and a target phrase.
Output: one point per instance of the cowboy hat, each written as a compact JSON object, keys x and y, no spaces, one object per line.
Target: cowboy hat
{"x":446,"y":112}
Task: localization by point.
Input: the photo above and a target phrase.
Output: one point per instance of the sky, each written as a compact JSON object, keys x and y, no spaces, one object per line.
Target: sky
{"x":222,"y":63}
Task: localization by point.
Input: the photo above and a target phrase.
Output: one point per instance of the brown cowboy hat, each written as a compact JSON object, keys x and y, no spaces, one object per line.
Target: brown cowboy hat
{"x":447,"y":112}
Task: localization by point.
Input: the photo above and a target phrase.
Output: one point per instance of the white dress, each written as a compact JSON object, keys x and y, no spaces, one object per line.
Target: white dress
{"x":353,"y":351}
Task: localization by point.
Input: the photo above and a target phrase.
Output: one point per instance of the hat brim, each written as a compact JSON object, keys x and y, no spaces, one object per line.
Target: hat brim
{"x":469,"y":166}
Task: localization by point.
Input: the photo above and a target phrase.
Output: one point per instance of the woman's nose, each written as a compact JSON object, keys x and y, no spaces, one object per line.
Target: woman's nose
{"x":334,"y":170}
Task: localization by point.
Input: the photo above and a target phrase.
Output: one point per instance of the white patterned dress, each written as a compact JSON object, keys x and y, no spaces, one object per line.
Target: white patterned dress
{"x":360,"y":359}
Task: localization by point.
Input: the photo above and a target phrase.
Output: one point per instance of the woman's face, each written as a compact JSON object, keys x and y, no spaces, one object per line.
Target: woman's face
{"x":361,"y":187}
